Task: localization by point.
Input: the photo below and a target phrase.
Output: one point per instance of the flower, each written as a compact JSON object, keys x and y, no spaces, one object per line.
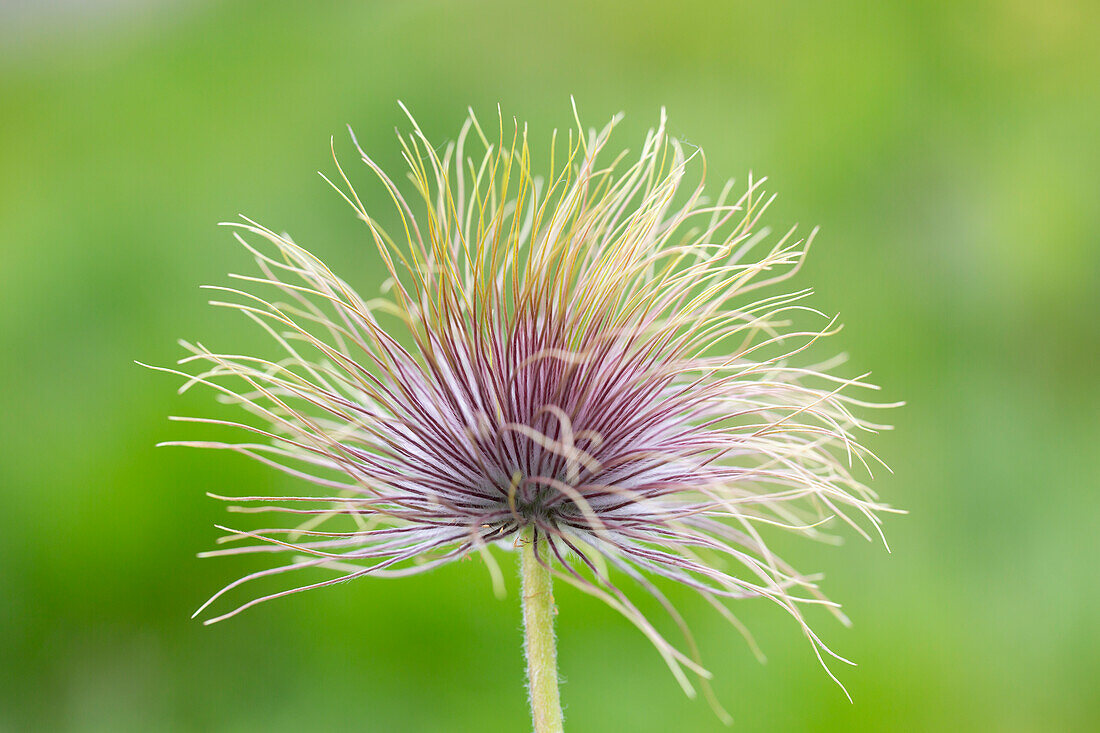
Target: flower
{"x":574,"y":359}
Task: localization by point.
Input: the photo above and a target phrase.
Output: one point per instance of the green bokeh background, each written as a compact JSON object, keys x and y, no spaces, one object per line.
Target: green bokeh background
{"x":950,"y":152}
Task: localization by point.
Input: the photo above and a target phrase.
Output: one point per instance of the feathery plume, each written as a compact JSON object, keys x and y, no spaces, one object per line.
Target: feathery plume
{"x":584,"y":363}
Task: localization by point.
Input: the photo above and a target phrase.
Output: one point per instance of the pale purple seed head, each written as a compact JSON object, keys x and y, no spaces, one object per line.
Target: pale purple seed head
{"x":602,"y":354}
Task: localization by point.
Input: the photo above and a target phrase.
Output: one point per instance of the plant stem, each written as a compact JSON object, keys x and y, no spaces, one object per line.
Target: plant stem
{"x":538,"y":633}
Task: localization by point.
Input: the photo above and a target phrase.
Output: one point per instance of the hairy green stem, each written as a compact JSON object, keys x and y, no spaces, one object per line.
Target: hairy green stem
{"x":538,"y":633}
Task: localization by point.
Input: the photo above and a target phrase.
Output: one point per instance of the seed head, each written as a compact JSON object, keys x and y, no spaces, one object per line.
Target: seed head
{"x":599,"y":356}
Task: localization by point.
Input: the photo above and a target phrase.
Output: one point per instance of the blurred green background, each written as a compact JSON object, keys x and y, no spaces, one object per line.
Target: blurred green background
{"x":949,"y":151}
